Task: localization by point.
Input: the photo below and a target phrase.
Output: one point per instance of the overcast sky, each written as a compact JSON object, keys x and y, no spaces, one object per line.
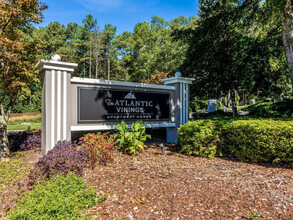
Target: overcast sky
{"x":121,"y":13}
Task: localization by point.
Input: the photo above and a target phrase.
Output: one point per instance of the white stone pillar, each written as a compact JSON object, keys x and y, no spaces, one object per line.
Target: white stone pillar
{"x":181,"y":103}
{"x":55,"y":89}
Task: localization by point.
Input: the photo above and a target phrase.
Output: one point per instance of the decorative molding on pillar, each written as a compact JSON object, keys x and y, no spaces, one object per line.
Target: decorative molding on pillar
{"x":181,"y":101}
{"x":173,"y":80}
{"x":55,"y":65}
{"x":54,"y":107}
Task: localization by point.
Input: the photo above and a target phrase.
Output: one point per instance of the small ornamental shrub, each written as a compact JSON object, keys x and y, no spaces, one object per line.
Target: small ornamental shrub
{"x":24,"y":140}
{"x":198,"y":138}
{"x":32,"y":141}
{"x":260,"y":141}
{"x":61,"y":197}
{"x":62,"y":159}
{"x":100,"y":147}
{"x":131,"y":140}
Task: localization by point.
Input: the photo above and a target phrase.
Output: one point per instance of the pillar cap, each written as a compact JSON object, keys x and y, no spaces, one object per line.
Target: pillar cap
{"x":175,"y":79}
{"x":55,"y":65}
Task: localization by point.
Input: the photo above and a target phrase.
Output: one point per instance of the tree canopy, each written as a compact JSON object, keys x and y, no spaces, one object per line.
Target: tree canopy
{"x":17,"y":51}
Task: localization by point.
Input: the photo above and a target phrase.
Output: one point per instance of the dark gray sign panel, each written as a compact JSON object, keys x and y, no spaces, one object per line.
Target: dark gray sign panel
{"x":103,"y":104}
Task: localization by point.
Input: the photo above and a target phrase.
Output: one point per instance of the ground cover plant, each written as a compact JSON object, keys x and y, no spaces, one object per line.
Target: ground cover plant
{"x":131,"y":140}
{"x":100,"y":147}
{"x":64,"y":158}
{"x":61,"y":197}
{"x":12,"y":171}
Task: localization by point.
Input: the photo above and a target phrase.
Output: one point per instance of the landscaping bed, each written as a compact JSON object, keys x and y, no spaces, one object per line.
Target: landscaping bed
{"x":152,"y":186}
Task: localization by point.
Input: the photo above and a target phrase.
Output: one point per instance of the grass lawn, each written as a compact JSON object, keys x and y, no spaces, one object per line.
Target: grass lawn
{"x":23,"y":127}
{"x":23,"y":121}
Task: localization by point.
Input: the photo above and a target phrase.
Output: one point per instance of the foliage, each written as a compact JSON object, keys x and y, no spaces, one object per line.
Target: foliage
{"x":24,"y":140}
{"x":211,"y":115}
{"x":156,"y":78}
{"x":63,"y":158}
{"x":17,"y":57}
{"x":151,"y":47}
{"x":131,"y":141}
{"x":226,"y":55}
{"x":260,"y":141}
{"x":32,"y":118}
{"x":269,"y":109}
{"x":267,"y":141}
{"x":62,"y":197}
{"x":198,"y":138}
{"x":197,"y":104}
{"x":32,"y":141}
{"x":12,"y":171}
{"x":100,"y":147}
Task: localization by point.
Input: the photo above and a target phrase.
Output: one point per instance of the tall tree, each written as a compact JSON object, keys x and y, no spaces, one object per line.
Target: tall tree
{"x":262,"y":10}
{"x":287,"y":6}
{"x":109,"y":33}
{"x":226,"y":54}
{"x":16,"y":51}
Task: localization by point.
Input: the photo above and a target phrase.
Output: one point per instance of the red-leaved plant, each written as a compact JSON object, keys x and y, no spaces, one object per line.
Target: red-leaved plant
{"x":100,"y":146}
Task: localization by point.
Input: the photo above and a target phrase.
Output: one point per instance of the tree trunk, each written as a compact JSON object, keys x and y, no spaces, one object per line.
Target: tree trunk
{"x":288,"y":35}
{"x":109,"y":48}
{"x":97,"y":59}
{"x":90,"y":68}
{"x":229,"y":98}
{"x":233,"y":102}
{"x":4,"y":144}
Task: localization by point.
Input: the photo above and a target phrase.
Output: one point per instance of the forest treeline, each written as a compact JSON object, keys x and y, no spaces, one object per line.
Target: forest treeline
{"x":228,"y":49}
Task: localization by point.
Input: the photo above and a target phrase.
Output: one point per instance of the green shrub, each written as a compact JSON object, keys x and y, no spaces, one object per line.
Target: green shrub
{"x":131,"y":141}
{"x":212,"y":115}
{"x":197,"y":104}
{"x":62,"y":197}
{"x":198,"y":138}
{"x":262,"y":141}
{"x":269,"y":109}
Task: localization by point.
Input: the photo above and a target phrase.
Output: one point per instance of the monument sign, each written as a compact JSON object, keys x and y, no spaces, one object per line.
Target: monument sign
{"x":83,"y":104}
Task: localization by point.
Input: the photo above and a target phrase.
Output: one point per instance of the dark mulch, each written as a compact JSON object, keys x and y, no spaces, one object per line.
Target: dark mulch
{"x":152,"y":186}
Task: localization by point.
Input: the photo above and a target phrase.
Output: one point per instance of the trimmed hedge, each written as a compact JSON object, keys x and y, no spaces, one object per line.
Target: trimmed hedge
{"x":198,"y":138}
{"x":259,"y":141}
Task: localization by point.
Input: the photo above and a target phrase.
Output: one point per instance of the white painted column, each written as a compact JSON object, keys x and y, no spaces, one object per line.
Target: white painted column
{"x":55,"y":125}
{"x":181,"y":102}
